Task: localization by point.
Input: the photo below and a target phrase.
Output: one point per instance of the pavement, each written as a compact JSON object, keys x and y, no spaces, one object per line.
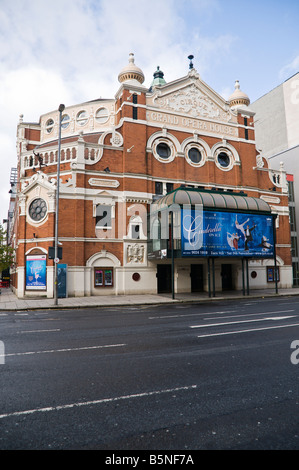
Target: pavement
{"x":10,"y":302}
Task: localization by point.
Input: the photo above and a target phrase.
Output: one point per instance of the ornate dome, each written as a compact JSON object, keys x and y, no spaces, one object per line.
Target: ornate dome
{"x":131,"y":73}
{"x":238,"y":99}
{"x":158,"y":79}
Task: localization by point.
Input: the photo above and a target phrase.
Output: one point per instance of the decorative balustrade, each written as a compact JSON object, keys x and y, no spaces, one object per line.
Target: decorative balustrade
{"x":83,"y":152}
{"x":278,"y":178}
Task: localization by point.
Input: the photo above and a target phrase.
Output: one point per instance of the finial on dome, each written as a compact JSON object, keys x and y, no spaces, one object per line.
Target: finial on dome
{"x":131,"y":73}
{"x":238,"y":99}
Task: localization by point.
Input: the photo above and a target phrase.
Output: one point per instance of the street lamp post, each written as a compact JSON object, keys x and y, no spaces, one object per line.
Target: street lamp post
{"x":60,"y":109}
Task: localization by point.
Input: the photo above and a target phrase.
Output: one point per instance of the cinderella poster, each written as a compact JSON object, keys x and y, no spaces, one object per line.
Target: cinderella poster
{"x":228,"y":234}
{"x":36,"y":267}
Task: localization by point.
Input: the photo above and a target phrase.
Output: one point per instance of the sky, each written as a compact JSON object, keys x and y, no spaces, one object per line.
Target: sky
{"x":71,"y":51}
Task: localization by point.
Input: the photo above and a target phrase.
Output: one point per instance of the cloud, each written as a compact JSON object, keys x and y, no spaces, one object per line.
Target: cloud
{"x":288,"y":70}
{"x":71,"y":51}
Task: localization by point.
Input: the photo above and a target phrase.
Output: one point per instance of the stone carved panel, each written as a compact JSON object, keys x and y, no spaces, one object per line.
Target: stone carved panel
{"x":103,"y":182}
{"x":135,"y":253}
{"x":191,"y":100}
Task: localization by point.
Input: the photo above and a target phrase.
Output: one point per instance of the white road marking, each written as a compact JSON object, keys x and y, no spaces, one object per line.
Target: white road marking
{"x":95,"y":402}
{"x":191,"y":314}
{"x":37,"y":331}
{"x":242,"y":321}
{"x":250,"y":330}
{"x":64,"y":350}
{"x":215,"y":313}
{"x":245,"y":315}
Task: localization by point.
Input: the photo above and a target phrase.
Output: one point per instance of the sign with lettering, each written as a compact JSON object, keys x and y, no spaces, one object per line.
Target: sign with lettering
{"x":36,"y":272}
{"x":192,"y":124}
{"x":227,"y":234}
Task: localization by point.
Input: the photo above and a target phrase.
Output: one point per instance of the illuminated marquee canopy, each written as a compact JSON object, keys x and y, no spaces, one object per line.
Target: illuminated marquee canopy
{"x":221,"y":224}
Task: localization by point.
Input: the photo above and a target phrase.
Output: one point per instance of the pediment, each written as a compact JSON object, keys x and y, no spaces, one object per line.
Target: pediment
{"x":105,"y":194}
{"x":39,"y":179}
{"x":192,"y":97}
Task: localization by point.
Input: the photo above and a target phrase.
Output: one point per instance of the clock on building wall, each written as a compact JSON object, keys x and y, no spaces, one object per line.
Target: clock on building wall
{"x":38,"y":209}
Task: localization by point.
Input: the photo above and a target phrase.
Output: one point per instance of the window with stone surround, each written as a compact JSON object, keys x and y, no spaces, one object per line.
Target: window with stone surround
{"x":103,"y":216}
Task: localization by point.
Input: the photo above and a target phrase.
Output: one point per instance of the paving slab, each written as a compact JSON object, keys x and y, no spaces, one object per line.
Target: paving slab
{"x":9,"y":301}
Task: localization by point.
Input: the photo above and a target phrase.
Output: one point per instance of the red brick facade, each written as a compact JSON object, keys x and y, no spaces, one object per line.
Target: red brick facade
{"x":115,"y":164}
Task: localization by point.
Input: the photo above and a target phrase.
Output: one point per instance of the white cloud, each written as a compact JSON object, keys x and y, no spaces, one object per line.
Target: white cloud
{"x":288,"y":70}
{"x":71,"y":51}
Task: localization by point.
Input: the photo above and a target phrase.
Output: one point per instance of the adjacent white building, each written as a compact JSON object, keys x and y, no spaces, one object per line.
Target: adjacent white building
{"x":277,"y":137}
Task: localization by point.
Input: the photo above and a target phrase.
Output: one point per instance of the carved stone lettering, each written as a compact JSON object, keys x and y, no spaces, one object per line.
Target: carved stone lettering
{"x":192,"y":101}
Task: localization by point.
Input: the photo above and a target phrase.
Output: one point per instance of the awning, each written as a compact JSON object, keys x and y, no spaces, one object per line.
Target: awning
{"x":213,"y":200}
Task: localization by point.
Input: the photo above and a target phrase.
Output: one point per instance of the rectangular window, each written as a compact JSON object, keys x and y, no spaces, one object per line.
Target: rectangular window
{"x":135,"y":99}
{"x":136,"y":232}
{"x":103,"y":216}
{"x":292,"y":218}
{"x":103,"y":277}
{"x":291,"y":191}
{"x":294,"y":249}
{"x":295,"y":274}
{"x":169,"y":187}
{"x":246,"y":130}
{"x":135,"y":113}
{"x":158,"y":187}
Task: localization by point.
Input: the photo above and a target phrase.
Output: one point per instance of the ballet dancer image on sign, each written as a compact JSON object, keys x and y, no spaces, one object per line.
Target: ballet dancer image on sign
{"x":248,"y":236}
{"x":265,"y":243}
{"x":241,"y":226}
{"x":232,"y":240}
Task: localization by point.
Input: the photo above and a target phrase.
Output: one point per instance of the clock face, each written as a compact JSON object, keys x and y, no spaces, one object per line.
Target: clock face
{"x":38,"y":210}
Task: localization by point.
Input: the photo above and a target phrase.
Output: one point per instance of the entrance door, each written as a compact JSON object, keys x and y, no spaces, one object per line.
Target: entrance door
{"x":164,"y":278}
{"x":196,"y":278}
{"x":227,"y":277}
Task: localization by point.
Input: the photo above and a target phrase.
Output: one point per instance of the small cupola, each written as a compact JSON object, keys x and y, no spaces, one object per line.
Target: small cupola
{"x":131,"y":73}
{"x":238,"y":99}
{"x":158,"y":78}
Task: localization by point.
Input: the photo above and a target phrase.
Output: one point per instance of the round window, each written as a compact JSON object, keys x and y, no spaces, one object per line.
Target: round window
{"x":223,"y":159}
{"x":38,"y":210}
{"x":136,"y":277}
{"x":82,"y":118}
{"x":163,"y":150}
{"x":102,"y":115}
{"x":65,"y":121}
{"x":49,"y":126}
{"x":194,"y":155}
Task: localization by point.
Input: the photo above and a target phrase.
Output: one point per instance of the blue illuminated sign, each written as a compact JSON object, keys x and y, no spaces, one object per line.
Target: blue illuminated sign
{"x":227,"y":234}
{"x":36,"y":272}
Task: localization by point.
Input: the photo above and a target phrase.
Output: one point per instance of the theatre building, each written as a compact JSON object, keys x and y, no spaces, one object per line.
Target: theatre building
{"x":161,"y":190}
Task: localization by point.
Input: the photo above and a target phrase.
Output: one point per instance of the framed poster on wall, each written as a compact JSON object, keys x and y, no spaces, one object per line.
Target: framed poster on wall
{"x":36,"y":272}
{"x":62,"y":280}
{"x":103,"y":277}
{"x":271,"y":273}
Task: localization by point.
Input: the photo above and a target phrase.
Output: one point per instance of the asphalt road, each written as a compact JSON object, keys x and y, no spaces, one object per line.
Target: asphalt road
{"x":214,"y":375}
